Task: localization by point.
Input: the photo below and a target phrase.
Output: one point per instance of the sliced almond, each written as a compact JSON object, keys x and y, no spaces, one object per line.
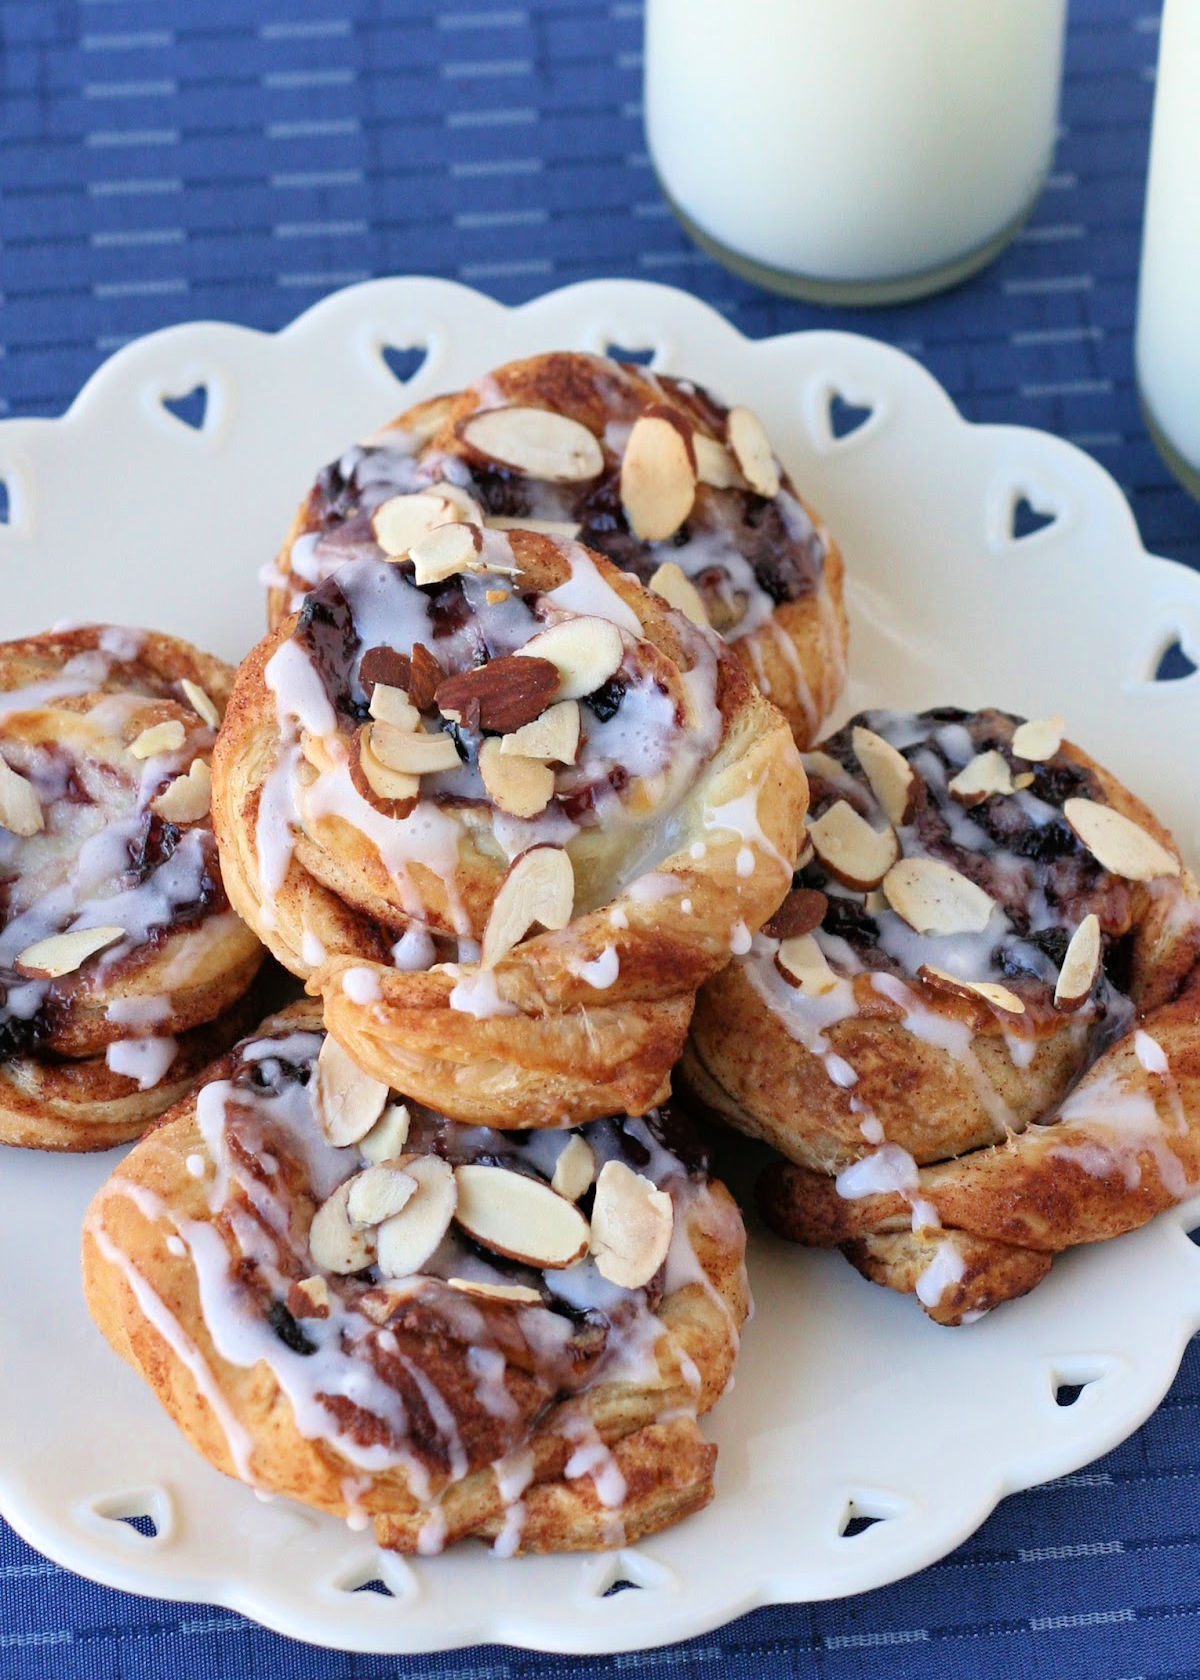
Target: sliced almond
{"x":379,"y":1304}
{"x":521,"y":1293}
{"x":715,"y":466}
{"x":446,"y":551}
{"x":934,"y":898}
{"x":574,"y":1169}
{"x":567,"y":529}
{"x":1024,"y":780}
{"x":382,"y":780}
{"x":998,"y":996}
{"x":632,"y":1222}
{"x":553,"y":738}
{"x":1038,"y":740}
{"x":804,"y":965}
{"x":309,"y":1298}
{"x":519,"y":1217}
{"x":850,"y":849}
{"x":874,"y":902}
{"x":408,"y":1238}
{"x":539,"y":889}
{"x":335,"y":1243}
{"x":391,"y":706}
{"x":387,"y":1136}
{"x":165,"y":737}
{"x":1081,"y":965}
{"x":658,"y":479}
{"x":536,"y":442}
{"x":347,"y":1101}
{"x":802,"y":911}
{"x":63,"y":953}
{"x":521,"y":786}
{"x":751,"y":449}
{"x":377,"y":1193}
{"x":20,"y":808}
{"x":187,"y":798}
{"x":1117,"y":844}
{"x":678,"y":591}
{"x":201,"y":703}
{"x":806,"y":853}
{"x":413,"y":752}
{"x":893,"y":779}
{"x":403,"y":520}
{"x":986,"y":774}
{"x":584,"y":651}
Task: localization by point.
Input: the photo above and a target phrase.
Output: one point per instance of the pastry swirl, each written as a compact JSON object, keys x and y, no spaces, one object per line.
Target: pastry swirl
{"x":650,"y":839}
{"x":663,"y":474}
{"x":971,"y":1027}
{"x":121,"y":963}
{"x":360,"y":1325}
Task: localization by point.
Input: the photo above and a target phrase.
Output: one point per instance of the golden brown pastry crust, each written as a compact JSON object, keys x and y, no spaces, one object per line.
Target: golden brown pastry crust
{"x":770,"y":574}
{"x":498,"y":1466}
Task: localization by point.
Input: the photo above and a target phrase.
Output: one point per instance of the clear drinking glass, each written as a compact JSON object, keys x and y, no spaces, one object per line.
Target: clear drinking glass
{"x":853,"y":151}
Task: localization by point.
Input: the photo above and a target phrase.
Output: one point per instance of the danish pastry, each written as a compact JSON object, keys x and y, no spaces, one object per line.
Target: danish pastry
{"x":498,"y":733}
{"x":121,"y":963}
{"x":441,"y":1330}
{"x":653,"y":472}
{"x":973,"y":1027}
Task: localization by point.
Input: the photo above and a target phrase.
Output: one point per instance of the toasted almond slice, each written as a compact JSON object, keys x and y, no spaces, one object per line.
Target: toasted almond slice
{"x":412,"y":751}
{"x":165,"y":737}
{"x":387,"y":1136}
{"x":715,"y":466}
{"x":751,"y":449}
{"x":377,"y":1193}
{"x":383,"y":781}
{"x":1024,"y":780}
{"x":632,"y":1221}
{"x":519,"y":1217}
{"x":538,"y":889}
{"x":187,"y":798}
{"x":335,"y":1243}
{"x":568,"y":529}
{"x":379,"y":1304}
{"x":445,"y":551}
{"x":986,"y":774}
{"x":20,"y":808}
{"x":803,"y":964}
{"x":553,"y":738}
{"x":1081,"y":965}
{"x":521,"y":786}
{"x":585,"y":652}
{"x":934,"y":898}
{"x":347,"y":1101}
{"x":521,"y":1293}
{"x":408,"y":1238}
{"x":63,"y":953}
{"x":678,"y":591}
{"x":536,"y":442}
{"x":1038,"y":740}
{"x":391,"y":706}
{"x":658,"y":480}
{"x":851,"y":850}
{"x":998,"y":996}
{"x":875,"y":901}
{"x":1118,"y":844}
{"x":893,"y":779}
{"x":201,"y":703}
{"x":806,"y":853}
{"x":403,"y":520}
{"x":574,"y":1169}
{"x":309,"y":1298}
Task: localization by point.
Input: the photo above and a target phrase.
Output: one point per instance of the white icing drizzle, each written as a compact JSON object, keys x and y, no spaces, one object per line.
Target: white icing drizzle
{"x":145,"y":1060}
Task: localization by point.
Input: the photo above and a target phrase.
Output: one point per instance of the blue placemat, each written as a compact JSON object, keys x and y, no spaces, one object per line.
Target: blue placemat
{"x":161,"y":161}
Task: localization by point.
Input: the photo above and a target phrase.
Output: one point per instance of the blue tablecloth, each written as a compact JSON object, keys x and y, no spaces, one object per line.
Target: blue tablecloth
{"x":164,"y":161}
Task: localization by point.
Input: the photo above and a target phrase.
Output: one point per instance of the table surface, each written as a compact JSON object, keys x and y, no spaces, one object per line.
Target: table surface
{"x":164,"y":162}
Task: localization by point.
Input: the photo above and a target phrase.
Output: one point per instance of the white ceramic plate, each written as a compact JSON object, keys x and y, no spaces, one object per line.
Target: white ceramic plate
{"x":847,"y":1399}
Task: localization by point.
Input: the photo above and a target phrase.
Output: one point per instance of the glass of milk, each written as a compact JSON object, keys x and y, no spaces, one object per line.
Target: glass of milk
{"x":853,"y":151}
{"x":1167,"y":344}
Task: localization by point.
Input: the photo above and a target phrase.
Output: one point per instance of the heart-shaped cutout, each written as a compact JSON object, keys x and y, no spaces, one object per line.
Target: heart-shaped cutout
{"x":846,"y":417}
{"x":1173,"y":663}
{"x":190,"y":408}
{"x":1026,"y":519}
{"x":403,"y":361}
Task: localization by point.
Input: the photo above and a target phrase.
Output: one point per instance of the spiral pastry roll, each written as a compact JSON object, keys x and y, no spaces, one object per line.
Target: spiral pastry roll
{"x":972,"y":1027}
{"x":653,"y":472}
{"x":499,"y":734}
{"x":341,"y":1296}
{"x":121,"y":963}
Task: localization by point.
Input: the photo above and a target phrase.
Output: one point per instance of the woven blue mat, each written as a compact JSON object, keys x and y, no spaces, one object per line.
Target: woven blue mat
{"x":164,"y":161}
